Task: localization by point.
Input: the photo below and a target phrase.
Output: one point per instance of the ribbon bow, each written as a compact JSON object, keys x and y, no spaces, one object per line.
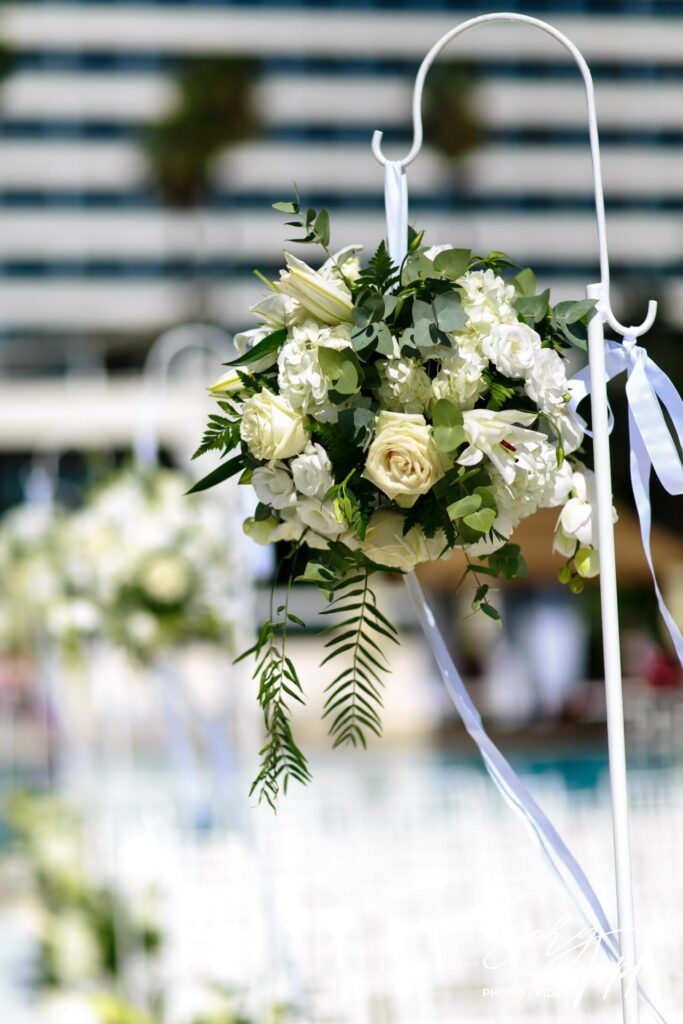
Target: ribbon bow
{"x":651,"y":443}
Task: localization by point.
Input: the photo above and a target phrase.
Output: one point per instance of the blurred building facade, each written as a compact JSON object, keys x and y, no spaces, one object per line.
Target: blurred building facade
{"x":95,"y":263}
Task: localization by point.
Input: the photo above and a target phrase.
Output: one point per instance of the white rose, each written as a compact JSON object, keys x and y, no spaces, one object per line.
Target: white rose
{"x":327,"y":300}
{"x":386,"y":544}
{"x":320,"y":517}
{"x":312,"y":471}
{"x":403,"y":460}
{"x":513,"y":348}
{"x":405,"y":387}
{"x":270,"y":428}
{"x":546,"y":383}
{"x":273,"y":486}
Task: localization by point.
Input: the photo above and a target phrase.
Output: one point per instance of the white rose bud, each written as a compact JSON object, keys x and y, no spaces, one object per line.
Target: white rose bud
{"x":273,"y":486}
{"x":513,"y":348}
{"x":260,"y":530}
{"x":312,"y":471}
{"x":327,"y":301}
{"x":403,"y":460}
{"x":386,"y":544}
{"x":270,"y":428}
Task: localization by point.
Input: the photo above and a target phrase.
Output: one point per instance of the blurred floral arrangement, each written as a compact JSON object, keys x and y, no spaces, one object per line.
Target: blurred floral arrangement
{"x":81,"y":920}
{"x":140,"y":564}
{"x":384,"y":417}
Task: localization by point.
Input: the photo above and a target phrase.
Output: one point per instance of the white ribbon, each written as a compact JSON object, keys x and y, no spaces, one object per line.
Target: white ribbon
{"x":396,"y":203}
{"x":651,"y":444}
{"x":519,"y":799}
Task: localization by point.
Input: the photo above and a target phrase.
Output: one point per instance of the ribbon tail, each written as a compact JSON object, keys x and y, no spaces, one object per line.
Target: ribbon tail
{"x":396,"y":203}
{"x":641,"y":467}
{"x":517,"y":795}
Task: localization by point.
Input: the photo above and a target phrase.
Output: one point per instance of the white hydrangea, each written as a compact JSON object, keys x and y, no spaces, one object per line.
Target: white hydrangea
{"x":405,"y":387}
{"x":300,"y":378}
{"x":460,"y":379}
{"x":312,"y":471}
{"x":487,"y":299}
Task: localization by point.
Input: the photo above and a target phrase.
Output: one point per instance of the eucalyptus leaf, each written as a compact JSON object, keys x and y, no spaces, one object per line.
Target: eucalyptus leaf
{"x":453,"y":263}
{"x":341,"y":369}
{"x":464,"y":507}
{"x":524,"y":282}
{"x":447,"y":426}
{"x":449,"y":312}
{"x":535,"y":307}
{"x":482,"y":520}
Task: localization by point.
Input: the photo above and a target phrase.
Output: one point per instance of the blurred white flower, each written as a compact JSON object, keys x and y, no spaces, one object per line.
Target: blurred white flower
{"x":546,"y":382}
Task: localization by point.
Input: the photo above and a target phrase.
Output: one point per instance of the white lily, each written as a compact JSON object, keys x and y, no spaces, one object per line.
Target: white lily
{"x":328,"y":301}
{"x":499,"y":437}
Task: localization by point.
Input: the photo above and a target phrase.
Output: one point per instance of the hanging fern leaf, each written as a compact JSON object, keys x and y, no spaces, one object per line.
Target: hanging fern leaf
{"x":281,"y":758}
{"x":354,"y":698}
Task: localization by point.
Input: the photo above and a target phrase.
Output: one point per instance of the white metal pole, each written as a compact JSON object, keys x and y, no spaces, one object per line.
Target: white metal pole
{"x":612,"y":656}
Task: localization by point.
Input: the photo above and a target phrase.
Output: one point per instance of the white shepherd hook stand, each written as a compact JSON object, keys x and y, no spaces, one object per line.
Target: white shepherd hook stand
{"x":396,"y":192}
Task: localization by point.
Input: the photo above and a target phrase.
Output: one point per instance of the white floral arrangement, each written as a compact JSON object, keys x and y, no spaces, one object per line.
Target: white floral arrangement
{"x":154,"y":563}
{"x":33,"y":580}
{"x":385,"y":417}
{"x":140,"y":564}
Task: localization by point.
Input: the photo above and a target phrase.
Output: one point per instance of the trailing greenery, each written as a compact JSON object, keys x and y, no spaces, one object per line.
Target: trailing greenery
{"x":281,"y":759}
{"x":354,"y":696}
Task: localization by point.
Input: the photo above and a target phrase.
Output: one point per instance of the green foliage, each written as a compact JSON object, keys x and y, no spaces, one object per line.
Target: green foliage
{"x":218,"y":475}
{"x":354,"y":697}
{"x":265,"y":347}
{"x":222,"y":433}
{"x":343,"y":371}
{"x":448,"y":430}
{"x":315,"y":224}
{"x":281,"y":758}
{"x":500,"y":389}
{"x":452,"y":263}
{"x":380,"y":275}
{"x":213,"y":111}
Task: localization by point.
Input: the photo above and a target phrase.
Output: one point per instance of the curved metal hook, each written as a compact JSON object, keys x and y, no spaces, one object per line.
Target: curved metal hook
{"x":604,"y":305}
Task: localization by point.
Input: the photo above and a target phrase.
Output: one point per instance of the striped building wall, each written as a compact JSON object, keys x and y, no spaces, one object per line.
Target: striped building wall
{"x":88,"y":253}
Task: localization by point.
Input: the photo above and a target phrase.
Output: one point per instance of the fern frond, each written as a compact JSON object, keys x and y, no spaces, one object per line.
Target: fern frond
{"x":380,"y":275}
{"x":221,"y":434}
{"x":354,"y":697}
{"x":281,"y":758}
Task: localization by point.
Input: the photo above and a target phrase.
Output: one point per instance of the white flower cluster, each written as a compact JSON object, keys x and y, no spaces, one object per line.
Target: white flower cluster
{"x":522,"y":451}
{"x":141,"y":563}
